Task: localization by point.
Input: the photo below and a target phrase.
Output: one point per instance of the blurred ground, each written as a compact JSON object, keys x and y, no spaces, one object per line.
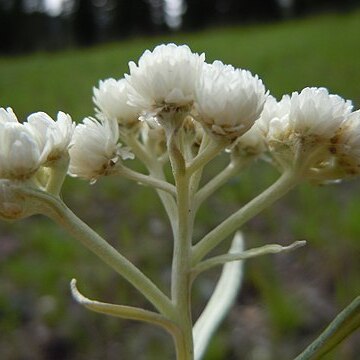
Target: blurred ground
{"x":286,"y":299}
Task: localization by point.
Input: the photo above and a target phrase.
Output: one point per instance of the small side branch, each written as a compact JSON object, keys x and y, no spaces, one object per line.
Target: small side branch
{"x":286,"y":182}
{"x":215,"y":183}
{"x":222,"y":259}
{"x":122,"y":311}
{"x":145,"y":179}
{"x":211,"y":150}
{"x":61,"y":214}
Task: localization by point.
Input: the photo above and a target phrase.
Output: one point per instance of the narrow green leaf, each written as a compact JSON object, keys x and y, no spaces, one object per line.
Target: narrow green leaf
{"x":341,"y":327}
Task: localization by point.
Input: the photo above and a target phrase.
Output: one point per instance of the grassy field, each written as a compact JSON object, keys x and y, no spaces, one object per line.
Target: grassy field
{"x":286,"y":299}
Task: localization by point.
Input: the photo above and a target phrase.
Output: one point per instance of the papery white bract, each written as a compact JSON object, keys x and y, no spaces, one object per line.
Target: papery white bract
{"x":52,"y":136}
{"x":164,"y":77}
{"x":20,"y":154}
{"x":7,"y":115}
{"x":316,"y":112}
{"x":111,"y":99}
{"x":229,"y":100}
{"x":274,"y":117}
{"x":94,"y":149}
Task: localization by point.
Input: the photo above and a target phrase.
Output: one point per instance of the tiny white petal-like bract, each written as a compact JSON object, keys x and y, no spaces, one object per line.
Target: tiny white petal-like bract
{"x":20,"y":154}
{"x":94,"y":149}
{"x":316,"y":112}
{"x":111,"y":100}
{"x":164,"y":77}
{"x":229,"y":100}
{"x":52,"y":136}
{"x":274,"y":117}
{"x":305,"y":121}
{"x":7,"y":115}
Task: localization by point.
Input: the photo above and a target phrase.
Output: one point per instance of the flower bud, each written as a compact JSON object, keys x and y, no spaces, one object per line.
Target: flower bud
{"x":13,"y":205}
{"x":251,"y":144}
{"x":20,"y":154}
{"x":94,"y":149}
{"x":111,"y":99}
{"x":52,"y":136}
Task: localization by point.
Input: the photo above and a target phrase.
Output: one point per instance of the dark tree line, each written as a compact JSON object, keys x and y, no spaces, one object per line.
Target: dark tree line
{"x":25,"y":26}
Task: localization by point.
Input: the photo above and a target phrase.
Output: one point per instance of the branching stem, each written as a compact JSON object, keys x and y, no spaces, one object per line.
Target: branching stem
{"x":145,"y":179}
{"x":285,"y":183}
{"x":61,"y":214}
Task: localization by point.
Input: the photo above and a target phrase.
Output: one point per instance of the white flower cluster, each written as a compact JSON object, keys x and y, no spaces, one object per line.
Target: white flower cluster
{"x":25,"y":147}
{"x":312,"y":128}
{"x":225,"y":100}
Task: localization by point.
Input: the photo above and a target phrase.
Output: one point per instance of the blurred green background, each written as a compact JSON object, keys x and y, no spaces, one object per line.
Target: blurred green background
{"x":286,"y":300}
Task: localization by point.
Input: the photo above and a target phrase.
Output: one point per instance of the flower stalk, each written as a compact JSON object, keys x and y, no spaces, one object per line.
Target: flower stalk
{"x":62,"y":215}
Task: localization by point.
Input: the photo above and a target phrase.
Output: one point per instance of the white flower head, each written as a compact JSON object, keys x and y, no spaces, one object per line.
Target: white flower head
{"x":111,"y":99}
{"x":20,"y":154}
{"x":316,"y":112}
{"x":94,"y":149}
{"x":53,"y":137}
{"x":303,"y":123}
{"x":229,"y":100}
{"x":164,"y":77}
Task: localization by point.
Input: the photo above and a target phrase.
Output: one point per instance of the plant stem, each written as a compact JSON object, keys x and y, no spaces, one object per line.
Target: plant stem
{"x":124,"y":312}
{"x":155,"y":170}
{"x":88,"y":237}
{"x":181,"y":264}
{"x":285,"y":183}
{"x":166,"y":199}
{"x":220,"y":179}
{"x":181,"y":277}
{"x":247,"y":254}
{"x":145,"y":179}
{"x":213,"y":148}
{"x":57,"y":175}
{"x":344,"y":324}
